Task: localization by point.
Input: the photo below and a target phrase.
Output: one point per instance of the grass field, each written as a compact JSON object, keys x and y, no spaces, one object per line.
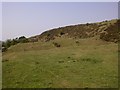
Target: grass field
{"x":91,"y":63}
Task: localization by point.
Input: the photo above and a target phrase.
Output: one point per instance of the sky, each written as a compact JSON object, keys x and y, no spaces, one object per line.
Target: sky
{"x":33,"y":18}
{"x":60,"y":0}
{"x":0,"y":21}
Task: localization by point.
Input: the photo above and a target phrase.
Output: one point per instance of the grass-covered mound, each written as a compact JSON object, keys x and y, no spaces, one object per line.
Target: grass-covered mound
{"x":80,"y":63}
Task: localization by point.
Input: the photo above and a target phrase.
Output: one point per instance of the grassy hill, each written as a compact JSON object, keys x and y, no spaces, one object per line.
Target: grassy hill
{"x":106,"y":30}
{"x":64,"y":59}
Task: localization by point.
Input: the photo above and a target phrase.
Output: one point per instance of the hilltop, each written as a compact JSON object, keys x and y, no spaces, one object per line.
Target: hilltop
{"x":106,"y":30}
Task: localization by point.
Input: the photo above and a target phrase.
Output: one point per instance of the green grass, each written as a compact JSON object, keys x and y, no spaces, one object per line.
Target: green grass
{"x":91,"y":64}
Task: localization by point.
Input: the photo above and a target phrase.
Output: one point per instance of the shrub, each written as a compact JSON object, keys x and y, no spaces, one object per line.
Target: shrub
{"x":4,"y":49}
{"x":14,"y":41}
{"x":77,"y":42}
{"x":61,"y":61}
{"x":7,"y":44}
{"x":5,"y":60}
{"x":56,"y":44}
{"x":23,"y":39}
{"x":48,"y":34}
{"x":10,"y":42}
{"x":87,"y":24}
{"x":91,"y":60}
{"x":62,"y":33}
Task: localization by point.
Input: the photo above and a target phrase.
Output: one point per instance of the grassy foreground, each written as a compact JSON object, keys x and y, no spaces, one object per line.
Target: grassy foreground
{"x":91,"y":63}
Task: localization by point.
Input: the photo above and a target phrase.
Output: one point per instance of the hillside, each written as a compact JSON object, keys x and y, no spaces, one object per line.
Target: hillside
{"x":78,"y":56}
{"x":106,"y":30}
{"x":90,"y":63}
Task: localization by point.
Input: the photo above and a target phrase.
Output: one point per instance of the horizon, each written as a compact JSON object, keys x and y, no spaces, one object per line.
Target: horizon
{"x":59,"y":27}
{"x":30,"y":19}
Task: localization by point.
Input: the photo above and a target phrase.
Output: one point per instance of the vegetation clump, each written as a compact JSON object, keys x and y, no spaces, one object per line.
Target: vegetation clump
{"x":6,"y":44}
{"x":91,"y":60}
{"x":62,"y":33}
{"x":4,"y":49}
{"x":77,"y":42}
{"x":56,"y":44}
{"x":5,"y":60}
{"x":61,"y":61}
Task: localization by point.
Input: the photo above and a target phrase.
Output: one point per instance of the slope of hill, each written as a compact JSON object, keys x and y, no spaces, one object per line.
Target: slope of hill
{"x":106,"y":30}
{"x":67,"y":57}
{"x":90,"y":63}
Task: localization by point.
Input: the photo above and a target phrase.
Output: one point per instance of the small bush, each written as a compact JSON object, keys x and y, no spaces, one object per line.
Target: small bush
{"x":36,"y":62}
{"x":4,"y":49}
{"x":48,"y":34}
{"x":77,"y":42}
{"x":68,"y":57}
{"x":62,"y":33}
{"x":91,"y":60}
{"x":61,"y":61}
{"x":5,"y":60}
{"x":23,"y":39}
{"x":87,"y":24}
{"x":56,"y":44}
{"x":6,"y":44}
